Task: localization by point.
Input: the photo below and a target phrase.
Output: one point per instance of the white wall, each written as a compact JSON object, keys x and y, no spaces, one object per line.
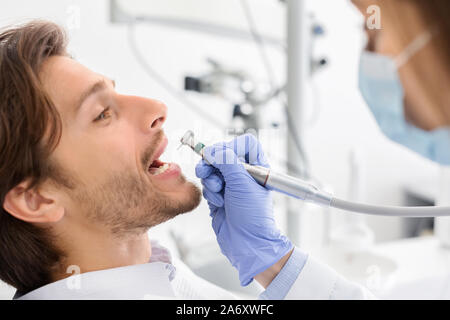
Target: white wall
{"x":344,"y":120}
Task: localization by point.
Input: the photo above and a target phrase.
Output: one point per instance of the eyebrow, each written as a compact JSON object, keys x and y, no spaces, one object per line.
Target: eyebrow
{"x":96,"y":87}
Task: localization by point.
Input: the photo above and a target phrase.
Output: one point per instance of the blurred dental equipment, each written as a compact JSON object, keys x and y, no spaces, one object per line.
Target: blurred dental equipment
{"x":246,"y":95}
{"x":305,"y":191}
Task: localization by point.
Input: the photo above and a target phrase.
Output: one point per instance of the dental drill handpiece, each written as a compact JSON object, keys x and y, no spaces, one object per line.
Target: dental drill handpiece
{"x":303,"y":190}
{"x":268,"y":178}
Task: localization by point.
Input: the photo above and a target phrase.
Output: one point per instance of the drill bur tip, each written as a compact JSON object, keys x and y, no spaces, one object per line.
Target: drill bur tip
{"x":187,"y":138}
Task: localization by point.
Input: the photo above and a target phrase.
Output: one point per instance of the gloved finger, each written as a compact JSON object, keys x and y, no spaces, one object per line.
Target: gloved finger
{"x":213,"y":197}
{"x":217,"y":221}
{"x":212,"y":209}
{"x":213,"y":182}
{"x":224,"y":159}
{"x":203,"y":169}
{"x":248,"y":148}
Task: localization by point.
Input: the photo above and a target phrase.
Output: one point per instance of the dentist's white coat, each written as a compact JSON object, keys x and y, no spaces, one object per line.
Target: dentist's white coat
{"x":167,"y":278}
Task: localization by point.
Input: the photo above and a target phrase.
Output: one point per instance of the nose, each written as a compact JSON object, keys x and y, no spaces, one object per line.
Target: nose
{"x":157,"y":119}
{"x":149,"y":114}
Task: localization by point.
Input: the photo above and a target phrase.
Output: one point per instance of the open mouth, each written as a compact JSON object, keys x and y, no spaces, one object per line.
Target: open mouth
{"x":158,"y":167}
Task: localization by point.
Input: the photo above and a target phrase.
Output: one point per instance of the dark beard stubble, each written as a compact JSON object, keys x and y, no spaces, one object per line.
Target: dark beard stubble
{"x":126,"y":204}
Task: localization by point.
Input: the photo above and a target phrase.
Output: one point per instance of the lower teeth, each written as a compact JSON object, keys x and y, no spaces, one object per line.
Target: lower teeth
{"x":160,"y":169}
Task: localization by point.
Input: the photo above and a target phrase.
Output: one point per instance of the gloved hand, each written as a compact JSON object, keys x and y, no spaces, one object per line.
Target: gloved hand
{"x":241,"y":209}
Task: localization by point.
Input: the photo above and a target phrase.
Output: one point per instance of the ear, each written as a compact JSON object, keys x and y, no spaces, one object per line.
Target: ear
{"x":32,"y":205}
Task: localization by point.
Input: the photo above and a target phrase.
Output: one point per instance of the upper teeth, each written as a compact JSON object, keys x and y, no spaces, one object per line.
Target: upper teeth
{"x":161,"y":169}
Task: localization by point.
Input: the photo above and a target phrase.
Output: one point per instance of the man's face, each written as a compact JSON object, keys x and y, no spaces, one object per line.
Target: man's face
{"x":108,"y":145}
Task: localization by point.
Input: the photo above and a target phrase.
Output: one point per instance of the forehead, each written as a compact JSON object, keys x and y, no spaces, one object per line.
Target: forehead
{"x":64,"y":79}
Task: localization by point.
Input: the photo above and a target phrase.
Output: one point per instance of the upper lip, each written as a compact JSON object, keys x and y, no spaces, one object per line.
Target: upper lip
{"x":160,"y":150}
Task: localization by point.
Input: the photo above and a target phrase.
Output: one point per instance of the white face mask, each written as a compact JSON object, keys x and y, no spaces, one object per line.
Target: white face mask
{"x":383,"y":92}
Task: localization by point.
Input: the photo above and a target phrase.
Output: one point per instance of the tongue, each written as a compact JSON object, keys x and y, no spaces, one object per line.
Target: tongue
{"x":156,"y":164}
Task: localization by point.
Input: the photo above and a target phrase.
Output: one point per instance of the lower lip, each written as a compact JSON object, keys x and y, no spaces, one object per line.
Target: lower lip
{"x":174,"y":170}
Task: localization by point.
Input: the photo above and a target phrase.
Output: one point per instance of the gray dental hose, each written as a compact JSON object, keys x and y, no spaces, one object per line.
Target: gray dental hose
{"x":305,"y":191}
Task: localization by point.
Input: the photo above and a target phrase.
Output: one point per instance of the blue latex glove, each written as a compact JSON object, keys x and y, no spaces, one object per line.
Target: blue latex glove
{"x":241,"y":209}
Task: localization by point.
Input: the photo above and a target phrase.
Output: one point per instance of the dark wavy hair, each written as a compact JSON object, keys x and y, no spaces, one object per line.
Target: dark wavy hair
{"x":27,"y":115}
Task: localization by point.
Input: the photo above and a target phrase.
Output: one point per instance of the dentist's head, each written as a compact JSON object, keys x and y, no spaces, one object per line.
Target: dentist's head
{"x":405,"y":72}
{"x":79,"y":168}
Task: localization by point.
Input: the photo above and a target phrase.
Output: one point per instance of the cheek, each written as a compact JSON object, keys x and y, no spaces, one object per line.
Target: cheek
{"x":94,"y":158}
{"x":115,"y":152}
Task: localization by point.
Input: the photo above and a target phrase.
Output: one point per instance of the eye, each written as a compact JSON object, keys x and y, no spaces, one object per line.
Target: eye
{"x":106,"y":113}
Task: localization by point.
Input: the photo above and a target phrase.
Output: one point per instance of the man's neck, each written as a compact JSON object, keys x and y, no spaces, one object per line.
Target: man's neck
{"x":94,"y":251}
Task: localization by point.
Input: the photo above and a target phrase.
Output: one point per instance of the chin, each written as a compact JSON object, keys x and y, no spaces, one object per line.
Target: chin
{"x":191,"y":195}
{"x":185,"y":196}
{"x":180,"y":195}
